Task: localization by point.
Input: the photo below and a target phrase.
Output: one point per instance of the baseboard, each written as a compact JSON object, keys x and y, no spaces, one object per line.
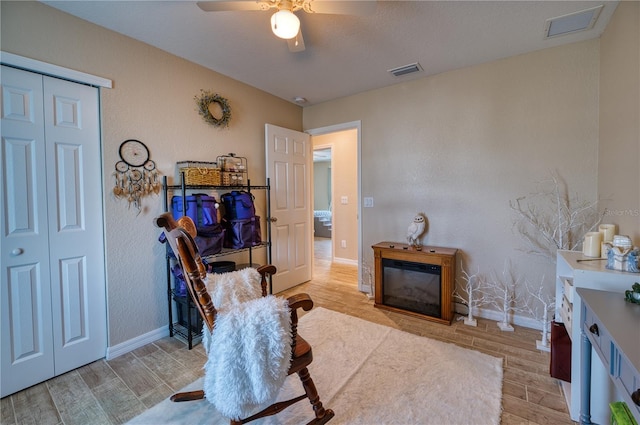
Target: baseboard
{"x":345,"y":261}
{"x":523,"y":321}
{"x":137,"y":342}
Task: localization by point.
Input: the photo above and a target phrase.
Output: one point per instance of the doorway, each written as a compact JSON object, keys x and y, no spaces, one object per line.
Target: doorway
{"x":343,"y":140}
{"x":322,"y":203}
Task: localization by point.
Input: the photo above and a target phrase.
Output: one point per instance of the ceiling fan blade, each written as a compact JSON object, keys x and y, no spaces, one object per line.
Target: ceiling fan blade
{"x":343,"y":7}
{"x":238,"y":5}
{"x":296,"y":44}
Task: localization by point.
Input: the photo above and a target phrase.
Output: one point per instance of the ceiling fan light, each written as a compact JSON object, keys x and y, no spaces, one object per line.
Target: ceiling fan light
{"x":285,"y":24}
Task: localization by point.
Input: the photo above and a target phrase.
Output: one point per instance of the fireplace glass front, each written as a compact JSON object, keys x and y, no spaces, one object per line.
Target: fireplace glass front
{"x":411,"y":286}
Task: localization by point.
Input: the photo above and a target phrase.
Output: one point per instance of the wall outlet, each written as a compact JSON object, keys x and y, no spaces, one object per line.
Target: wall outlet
{"x":344,"y":200}
{"x":343,"y":243}
{"x":368,"y":202}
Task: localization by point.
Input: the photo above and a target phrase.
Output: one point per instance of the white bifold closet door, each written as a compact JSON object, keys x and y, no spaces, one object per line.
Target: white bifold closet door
{"x":53,"y":294}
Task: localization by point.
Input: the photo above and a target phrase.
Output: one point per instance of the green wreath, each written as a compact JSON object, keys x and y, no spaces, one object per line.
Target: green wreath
{"x":205,"y":100}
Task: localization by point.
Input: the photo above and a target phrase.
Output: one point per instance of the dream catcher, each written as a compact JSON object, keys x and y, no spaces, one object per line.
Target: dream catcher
{"x":136,"y":175}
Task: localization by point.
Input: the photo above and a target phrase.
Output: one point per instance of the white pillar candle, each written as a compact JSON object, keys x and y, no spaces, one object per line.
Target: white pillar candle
{"x":591,"y":244}
{"x":608,"y":231}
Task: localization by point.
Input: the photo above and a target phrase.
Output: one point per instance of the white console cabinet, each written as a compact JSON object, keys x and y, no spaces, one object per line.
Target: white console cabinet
{"x":571,"y":274}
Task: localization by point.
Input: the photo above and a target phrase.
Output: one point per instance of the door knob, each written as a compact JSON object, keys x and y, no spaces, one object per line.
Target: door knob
{"x":17,"y":251}
{"x":273,"y":219}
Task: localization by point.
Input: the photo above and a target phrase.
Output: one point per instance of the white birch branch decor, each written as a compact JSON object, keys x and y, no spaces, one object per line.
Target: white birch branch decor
{"x":472,"y":294}
{"x":538,"y":305}
{"x":552,"y":219}
{"x":503,"y":296}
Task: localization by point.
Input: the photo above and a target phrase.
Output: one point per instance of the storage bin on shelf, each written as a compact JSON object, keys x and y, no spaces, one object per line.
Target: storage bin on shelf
{"x":230,"y":178}
{"x":200,"y":173}
{"x":220,"y":266}
{"x":183,"y":309}
{"x":233,"y":169}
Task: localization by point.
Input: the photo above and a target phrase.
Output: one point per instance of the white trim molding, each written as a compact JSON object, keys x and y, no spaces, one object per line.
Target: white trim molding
{"x":518,"y":320}
{"x":137,"y":342}
{"x":40,"y":67}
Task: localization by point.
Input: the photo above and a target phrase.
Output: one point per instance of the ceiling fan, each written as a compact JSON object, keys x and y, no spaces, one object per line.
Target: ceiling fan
{"x":284,"y":23}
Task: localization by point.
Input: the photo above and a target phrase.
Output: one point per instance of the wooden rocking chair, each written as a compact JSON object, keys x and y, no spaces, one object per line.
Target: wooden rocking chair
{"x":180,"y":237}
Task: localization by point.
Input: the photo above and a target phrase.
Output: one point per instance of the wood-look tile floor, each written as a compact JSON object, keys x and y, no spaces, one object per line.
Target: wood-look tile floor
{"x":114,"y":391}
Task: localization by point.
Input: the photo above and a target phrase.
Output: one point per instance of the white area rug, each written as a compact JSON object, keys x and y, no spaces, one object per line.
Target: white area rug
{"x":373,"y":375}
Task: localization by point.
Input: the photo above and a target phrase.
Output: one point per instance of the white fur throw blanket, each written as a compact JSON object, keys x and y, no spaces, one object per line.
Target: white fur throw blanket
{"x":249,"y":350}
{"x":234,"y":287}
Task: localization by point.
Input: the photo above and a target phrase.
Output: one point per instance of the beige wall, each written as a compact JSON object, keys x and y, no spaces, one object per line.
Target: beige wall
{"x":152,"y":100}
{"x":460,"y":145}
{"x":619,"y":152}
{"x":344,"y":168}
{"x":321,"y":186}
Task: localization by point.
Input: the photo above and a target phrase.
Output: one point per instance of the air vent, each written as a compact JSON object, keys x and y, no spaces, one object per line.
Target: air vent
{"x":566,"y":24}
{"x":407,"y":69}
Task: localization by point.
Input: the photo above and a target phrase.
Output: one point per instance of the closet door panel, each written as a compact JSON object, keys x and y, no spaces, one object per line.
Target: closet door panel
{"x":76,"y":223}
{"x":74,"y":308}
{"x":26,"y":356}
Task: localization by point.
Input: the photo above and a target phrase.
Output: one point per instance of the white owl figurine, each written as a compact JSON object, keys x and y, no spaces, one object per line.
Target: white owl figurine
{"x":415,"y":230}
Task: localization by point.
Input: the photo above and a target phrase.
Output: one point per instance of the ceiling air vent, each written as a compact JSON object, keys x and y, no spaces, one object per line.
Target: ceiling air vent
{"x":407,"y":69}
{"x":573,"y":22}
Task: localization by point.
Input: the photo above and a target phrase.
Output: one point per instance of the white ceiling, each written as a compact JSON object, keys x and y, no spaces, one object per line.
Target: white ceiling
{"x":344,"y":54}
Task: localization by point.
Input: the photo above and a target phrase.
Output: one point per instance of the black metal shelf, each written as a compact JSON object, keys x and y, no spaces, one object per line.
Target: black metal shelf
{"x":186,"y":329}
{"x":210,"y":187}
{"x":183,"y":332}
{"x":228,"y":251}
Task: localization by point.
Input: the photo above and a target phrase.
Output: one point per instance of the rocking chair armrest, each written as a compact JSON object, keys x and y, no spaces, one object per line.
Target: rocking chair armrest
{"x":297,"y":301}
{"x":265,"y":271}
{"x":303,"y":301}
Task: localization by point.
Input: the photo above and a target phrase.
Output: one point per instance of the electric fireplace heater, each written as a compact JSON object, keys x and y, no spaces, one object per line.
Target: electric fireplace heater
{"x":415,"y":281}
{"x":412,"y":286}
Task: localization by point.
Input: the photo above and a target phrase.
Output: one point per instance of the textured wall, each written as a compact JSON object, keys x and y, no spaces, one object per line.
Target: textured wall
{"x":321,"y":186}
{"x":152,"y":100}
{"x":459,"y":146}
{"x":619,"y":153}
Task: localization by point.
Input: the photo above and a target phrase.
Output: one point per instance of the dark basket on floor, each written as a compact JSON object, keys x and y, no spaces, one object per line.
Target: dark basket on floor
{"x":182,"y":307}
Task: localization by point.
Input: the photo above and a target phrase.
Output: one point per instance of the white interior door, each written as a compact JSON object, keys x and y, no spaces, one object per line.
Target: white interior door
{"x":289,"y":160}
{"x":53,"y":306}
{"x":74,"y":188}
{"x":27,"y":335}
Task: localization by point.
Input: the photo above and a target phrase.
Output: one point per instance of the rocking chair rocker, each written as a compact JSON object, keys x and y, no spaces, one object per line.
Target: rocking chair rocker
{"x":180,"y":237}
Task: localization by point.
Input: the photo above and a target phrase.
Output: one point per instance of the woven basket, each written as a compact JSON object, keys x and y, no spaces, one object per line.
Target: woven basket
{"x":200,"y":173}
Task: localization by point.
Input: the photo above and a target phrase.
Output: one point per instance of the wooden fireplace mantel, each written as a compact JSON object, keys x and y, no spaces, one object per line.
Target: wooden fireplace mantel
{"x":443,"y":257}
